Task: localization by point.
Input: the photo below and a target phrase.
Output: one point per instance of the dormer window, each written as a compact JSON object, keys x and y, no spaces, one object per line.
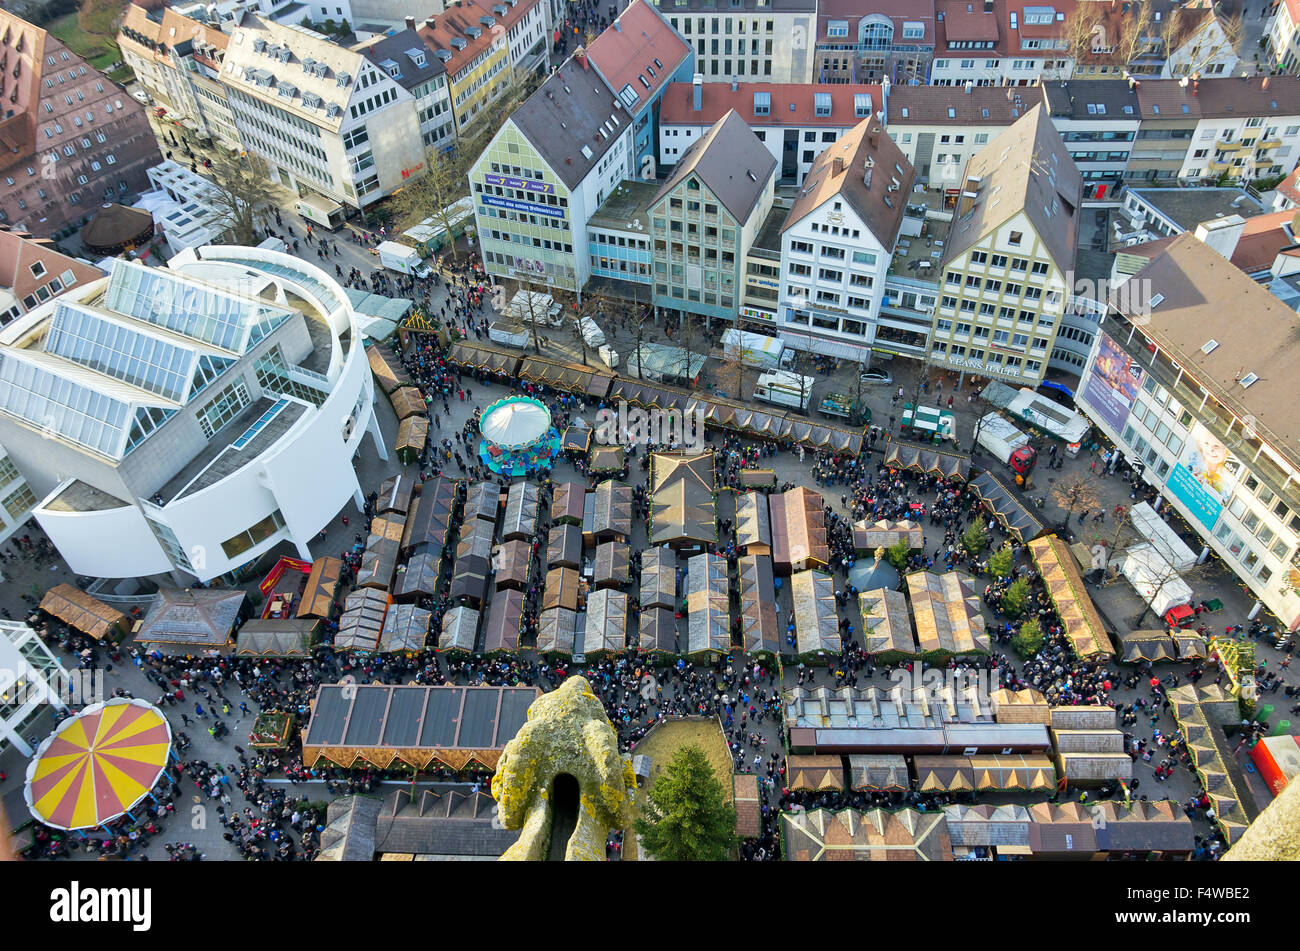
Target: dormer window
{"x":391,"y":68}
{"x":310,"y":100}
{"x":343,"y":79}
{"x":259,"y":45}
{"x":416,"y":57}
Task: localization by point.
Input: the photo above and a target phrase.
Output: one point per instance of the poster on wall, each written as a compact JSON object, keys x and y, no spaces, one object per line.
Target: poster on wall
{"x":1113,"y":383}
{"x":1205,"y":476}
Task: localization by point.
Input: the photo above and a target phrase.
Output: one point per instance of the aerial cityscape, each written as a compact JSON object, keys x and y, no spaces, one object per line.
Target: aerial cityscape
{"x":649,"y":430}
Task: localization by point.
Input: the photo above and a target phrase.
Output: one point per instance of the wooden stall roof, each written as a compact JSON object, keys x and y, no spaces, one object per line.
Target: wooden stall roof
{"x":322,"y":582}
{"x":362,"y":620}
{"x":872,"y":836}
{"x":943,"y":773}
{"x":388,"y":370}
{"x":1079,"y":617}
{"x":607,"y":459}
{"x":868,"y":536}
{"x":570,"y":377}
{"x":459,"y":630}
{"x":481,"y":357}
{"x":521,"y":511}
{"x":1153,"y":645}
{"x":815,"y":773}
{"x":749,"y":814}
{"x":407,"y":402}
{"x":504,"y":615}
{"x":555,"y":631}
{"x":561,"y":589}
{"x":482,"y":500}
{"x":1010,"y":512}
{"x":658,"y":631}
{"x":658,"y":578}
{"x":606,"y":630}
{"x":927,"y":459}
{"x":759,"y":625}
{"x":758,"y":478}
{"x":420,"y":575}
{"x":708,"y":603}
{"x":886,"y":622}
{"x":884,"y":772}
{"x":514,"y":560}
{"x":564,"y":547}
{"x":378,"y":563}
{"x":577,"y":436}
{"x":798,"y":529}
{"x":193,"y":618}
{"x":683,"y":511}
{"x":567,"y":504}
{"x":405,"y":629}
{"x":412,"y":434}
{"x":432,"y":514}
{"x":947,"y":613}
{"x":613,"y":564}
{"x":753,"y":524}
{"x":475,"y":540}
{"x":613,"y":510}
{"x":1067,"y":827}
{"x":395,"y":495}
{"x":816,"y":625}
{"x":1020,"y":706}
{"x":389,"y":527}
{"x":469,"y":578}
{"x":276,"y":637}
{"x":81,"y":612}
{"x":1013,"y":772}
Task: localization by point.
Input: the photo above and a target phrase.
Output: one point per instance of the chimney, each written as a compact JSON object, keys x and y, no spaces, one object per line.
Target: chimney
{"x":872,"y":135}
{"x":410,"y":23}
{"x":581,"y":56}
{"x":430,"y":23}
{"x":735,"y":83}
{"x":837,"y":166}
{"x":697,"y":92}
{"x":1196,"y":87}
{"x":1264,"y":84}
{"x":1221,"y":234}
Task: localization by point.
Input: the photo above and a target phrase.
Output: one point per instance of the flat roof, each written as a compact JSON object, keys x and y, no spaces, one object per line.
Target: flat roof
{"x":1188,"y":207}
{"x":629,"y":202}
{"x":81,"y":497}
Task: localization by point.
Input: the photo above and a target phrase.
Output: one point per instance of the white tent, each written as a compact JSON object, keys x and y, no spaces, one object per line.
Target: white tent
{"x":1154,"y":579}
{"x":1161,"y":536}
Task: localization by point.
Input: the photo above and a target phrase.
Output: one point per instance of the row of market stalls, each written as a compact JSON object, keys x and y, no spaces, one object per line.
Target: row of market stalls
{"x":719,"y":413}
{"x":927,"y":460}
{"x":1160,"y":646}
{"x":798,"y":523}
{"x":1107,"y":829}
{"x":1079,"y":618}
{"x":1002,"y":504}
{"x":1202,"y":713}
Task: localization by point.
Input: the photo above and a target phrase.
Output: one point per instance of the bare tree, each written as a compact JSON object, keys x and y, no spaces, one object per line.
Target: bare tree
{"x":434,"y":194}
{"x":734,"y":370}
{"x":532,"y":310}
{"x":1074,"y":493}
{"x":1209,"y":35}
{"x":639,"y":331}
{"x":242,"y":195}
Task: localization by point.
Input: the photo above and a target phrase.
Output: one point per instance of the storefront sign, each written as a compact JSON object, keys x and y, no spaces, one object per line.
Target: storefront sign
{"x":524,"y":184}
{"x":523,"y":206}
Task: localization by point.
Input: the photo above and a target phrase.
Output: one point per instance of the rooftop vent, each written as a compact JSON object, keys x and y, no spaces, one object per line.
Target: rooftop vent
{"x":1248,"y":379}
{"x":587,"y":153}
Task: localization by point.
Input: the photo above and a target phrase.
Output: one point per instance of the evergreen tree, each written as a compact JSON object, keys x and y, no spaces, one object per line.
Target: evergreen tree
{"x":898,"y":553}
{"x":1028,"y":641}
{"x":976,"y":537}
{"x":687,"y":817}
{"x":1001,"y":562}
{"x":1013,"y":602}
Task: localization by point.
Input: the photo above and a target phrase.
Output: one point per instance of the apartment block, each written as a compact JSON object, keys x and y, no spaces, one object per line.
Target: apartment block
{"x":748,"y":39}
{"x":1000,"y":42}
{"x":940,"y":130}
{"x":421,"y":75}
{"x":885,"y":40}
{"x":1099,"y":122}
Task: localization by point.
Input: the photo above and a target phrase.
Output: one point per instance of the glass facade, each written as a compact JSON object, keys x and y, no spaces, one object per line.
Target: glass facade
{"x":273,"y":376}
{"x":224,"y":407}
{"x":19,"y":501}
{"x":254,"y":536}
{"x":62,"y":407}
{"x":171,"y":544}
{"x":118,"y":351}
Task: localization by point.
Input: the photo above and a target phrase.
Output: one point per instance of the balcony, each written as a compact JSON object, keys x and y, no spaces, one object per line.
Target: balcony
{"x":1217,"y":168}
{"x":1274,"y":142}
{"x":1223,"y":146}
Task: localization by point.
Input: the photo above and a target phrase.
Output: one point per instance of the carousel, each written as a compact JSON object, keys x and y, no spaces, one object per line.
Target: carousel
{"x":518,"y":437}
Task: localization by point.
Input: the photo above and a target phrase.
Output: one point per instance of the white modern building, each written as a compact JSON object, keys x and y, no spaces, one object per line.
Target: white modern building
{"x":31,"y":681}
{"x":187,"y":419}
{"x":183,"y":213}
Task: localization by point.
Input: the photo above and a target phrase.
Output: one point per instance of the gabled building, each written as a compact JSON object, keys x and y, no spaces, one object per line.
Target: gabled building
{"x":638,"y":56}
{"x":404,"y":57}
{"x":884,"y":40}
{"x":706,"y":216}
{"x":1006,"y":269}
{"x":837,"y":242}
{"x":1001,"y":42}
{"x":72,"y":139}
{"x":323,"y":118}
{"x":939,"y":130}
{"x":794,"y":121}
{"x":748,"y":39}
{"x":1283,"y":35}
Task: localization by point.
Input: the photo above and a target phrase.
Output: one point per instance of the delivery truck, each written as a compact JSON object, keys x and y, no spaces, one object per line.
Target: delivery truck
{"x":756,"y":350}
{"x":508,"y":332}
{"x":403,"y":260}
{"x":1009,"y":445}
{"x":783,"y":388}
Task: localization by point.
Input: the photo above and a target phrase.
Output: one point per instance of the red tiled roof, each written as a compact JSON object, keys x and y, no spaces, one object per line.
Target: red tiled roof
{"x":718,"y":99}
{"x":1262,"y":239}
{"x":625,"y":52}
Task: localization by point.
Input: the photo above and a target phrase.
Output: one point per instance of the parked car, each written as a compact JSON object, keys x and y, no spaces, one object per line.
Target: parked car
{"x":140,"y":97}
{"x":874,"y":377}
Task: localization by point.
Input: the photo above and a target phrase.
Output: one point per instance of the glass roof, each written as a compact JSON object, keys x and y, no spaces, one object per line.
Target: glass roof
{"x":115,"y":350}
{"x":261,"y":422}
{"x":62,"y":406}
{"x":186,"y":307}
{"x":321,"y":290}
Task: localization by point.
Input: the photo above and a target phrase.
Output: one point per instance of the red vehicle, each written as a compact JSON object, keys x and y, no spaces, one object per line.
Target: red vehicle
{"x":1180,"y":617}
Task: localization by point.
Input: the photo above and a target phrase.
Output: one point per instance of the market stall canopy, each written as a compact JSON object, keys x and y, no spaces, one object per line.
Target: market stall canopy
{"x":753,"y":525}
{"x":412,"y":435}
{"x":1189,"y":645}
{"x":503,"y":622}
{"x":482,"y":501}
{"x":707,"y":601}
{"x":658,"y":578}
{"x":362,"y":620}
{"x":420,"y":575}
{"x":869,"y":536}
{"x":759,"y":626}
{"x":389,"y":373}
{"x":83,"y":613}
{"x":521,"y":511}
{"x":391,"y":526}
{"x":916,"y":457}
{"x":469,"y":578}
{"x":116,"y":228}
{"x":658,"y":631}
{"x":683,"y":511}
{"x":1153,"y":646}
{"x":880,"y":773}
{"x":1079,"y":617}
{"x":405,"y":629}
{"x":378,"y":563}
{"x":577,"y":437}
{"x":514,"y":561}
{"x":986,"y":826}
{"x":1020,"y":706}
{"x":799,"y":537}
{"x":815,"y":773}
{"x":480,"y":357}
{"x":816,"y":624}
{"x":1162,"y":536}
{"x":613,"y":567}
{"x":1033,"y":772}
{"x":569,"y":377}
{"x":191,"y":619}
{"x":886,"y":624}
{"x":567,"y":503}
{"x":608,"y":459}
{"x":515,"y":422}
{"x":459,"y":630}
{"x":475,"y":540}
{"x":395,"y":495}
{"x":947,"y":613}
{"x":555,"y":631}
{"x":613,"y":518}
{"x":276,"y":637}
{"x":318,"y":596}
{"x":407,"y":402}
{"x":561,"y":589}
{"x":1006,"y":508}
{"x":876,"y":835}
{"x":943,"y":774}
{"x":564,"y":547}
{"x":97,"y":764}
{"x":1067,"y":827}
{"x":749,"y":805}
{"x":606,"y":629}
{"x":1143,"y":826}
{"x":647,"y":395}
{"x":431,"y":516}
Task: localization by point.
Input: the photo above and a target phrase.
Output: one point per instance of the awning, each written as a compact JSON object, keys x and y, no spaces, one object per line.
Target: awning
{"x":926,"y":459}
{"x":1006,"y":508}
{"x":274,"y":637}
{"x":479,"y":357}
{"x":318,"y":596}
{"x":815,"y":622}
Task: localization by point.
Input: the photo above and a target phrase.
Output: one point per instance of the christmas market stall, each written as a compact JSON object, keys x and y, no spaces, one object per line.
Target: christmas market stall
{"x":658,"y":578}
{"x":759,"y":627}
{"x":816,"y":625}
{"x":556,"y":628}
{"x":514,"y":563}
{"x":459,"y":630}
{"x":707,"y":601}
{"x":521,"y":512}
{"x":567,"y":504}
{"x":613,"y":515}
{"x":564,"y":546}
{"x":683,"y":512}
{"x":612,"y":568}
{"x":362,"y":620}
{"x":606,"y":628}
{"x":886,"y":625}
{"x":405,"y":629}
{"x":949,"y":622}
{"x":322,"y":582}
{"x":753,"y":524}
{"x":799,"y":537}
{"x":501,"y":633}
{"x":278,"y":637}
{"x":658,"y":631}
{"x":1079,"y":617}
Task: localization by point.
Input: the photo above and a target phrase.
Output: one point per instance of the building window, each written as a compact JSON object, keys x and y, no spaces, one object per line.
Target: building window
{"x":18,"y":502}
{"x":253,"y":536}
{"x":224,"y":407}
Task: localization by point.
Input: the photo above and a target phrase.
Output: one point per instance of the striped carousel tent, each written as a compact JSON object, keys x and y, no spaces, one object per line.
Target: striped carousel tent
{"x":97,"y":765}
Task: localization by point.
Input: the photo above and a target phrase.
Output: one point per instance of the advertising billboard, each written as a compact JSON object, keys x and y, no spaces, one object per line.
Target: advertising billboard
{"x":1113,"y":383}
{"x":1205,"y":476}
